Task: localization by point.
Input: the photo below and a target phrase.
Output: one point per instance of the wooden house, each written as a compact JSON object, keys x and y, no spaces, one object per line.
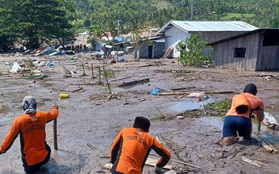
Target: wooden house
{"x":256,"y":50}
{"x":154,"y":50}
{"x":175,"y":31}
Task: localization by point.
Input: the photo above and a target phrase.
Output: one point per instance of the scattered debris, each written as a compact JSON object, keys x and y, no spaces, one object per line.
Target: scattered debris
{"x":16,"y":68}
{"x":134,"y":82}
{"x":270,"y":121}
{"x":253,"y":162}
{"x":269,"y":147}
{"x":148,"y":162}
{"x":63,"y":96}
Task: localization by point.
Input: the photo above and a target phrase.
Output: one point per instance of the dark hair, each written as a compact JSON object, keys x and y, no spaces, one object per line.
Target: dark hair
{"x":250,"y":88}
{"x":242,"y":109}
{"x":142,"y":123}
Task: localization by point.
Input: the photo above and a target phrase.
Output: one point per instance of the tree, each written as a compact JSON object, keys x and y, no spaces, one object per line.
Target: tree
{"x":34,"y":22}
{"x":192,"y":51}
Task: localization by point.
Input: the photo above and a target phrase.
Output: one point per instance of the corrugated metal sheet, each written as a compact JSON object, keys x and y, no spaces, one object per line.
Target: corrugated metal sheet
{"x":202,"y":26}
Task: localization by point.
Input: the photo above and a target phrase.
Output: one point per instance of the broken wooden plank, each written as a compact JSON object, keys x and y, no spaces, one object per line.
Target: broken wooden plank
{"x":148,"y":162}
{"x":187,"y":93}
{"x":173,"y":93}
{"x":269,"y":147}
{"x":180,"y":162}
{"x":134,"y":82}
{"x":253,"y":162}
{"x":218,"y":92}
{"x":182,"y":88}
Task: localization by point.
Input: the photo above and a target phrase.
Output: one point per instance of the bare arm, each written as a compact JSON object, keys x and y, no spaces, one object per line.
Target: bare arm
{"x":260,"y":114}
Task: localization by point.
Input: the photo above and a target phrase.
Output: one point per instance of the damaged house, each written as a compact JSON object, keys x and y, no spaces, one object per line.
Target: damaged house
{"x":256,"y":50}
{"x":176,"y":31}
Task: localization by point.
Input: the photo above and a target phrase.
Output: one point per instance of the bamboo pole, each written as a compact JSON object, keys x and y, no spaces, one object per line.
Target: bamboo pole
{"x":107,"y":79}
{"x":55,"y":133}
{"x":266,"y":144}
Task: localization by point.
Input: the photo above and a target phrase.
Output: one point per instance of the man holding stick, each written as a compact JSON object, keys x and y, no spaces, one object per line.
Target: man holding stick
{"x":31,"y":128}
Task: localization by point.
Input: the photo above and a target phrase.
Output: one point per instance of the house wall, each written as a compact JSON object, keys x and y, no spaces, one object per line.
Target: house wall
{"x":214,"y":36}
{"x":224,"y":53}
{"x":174,"y":35}
{"x":268,"y":57}
{"x":157,"y":50}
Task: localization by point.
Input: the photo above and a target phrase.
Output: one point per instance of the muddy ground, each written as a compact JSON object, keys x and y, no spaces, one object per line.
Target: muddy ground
{"x":91,"y":118}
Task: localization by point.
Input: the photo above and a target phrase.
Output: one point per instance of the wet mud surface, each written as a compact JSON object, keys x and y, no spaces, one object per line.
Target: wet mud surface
{"x":92,"y":117}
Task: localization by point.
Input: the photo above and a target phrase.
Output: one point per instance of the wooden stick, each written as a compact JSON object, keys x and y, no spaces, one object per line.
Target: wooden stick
{"x":55,"y":133}
{"x":180,"y":162}
{"x":269,"y":147}
{"x":107,"y":79}
{"x":251,"y":161}
{"x":92,"y":71}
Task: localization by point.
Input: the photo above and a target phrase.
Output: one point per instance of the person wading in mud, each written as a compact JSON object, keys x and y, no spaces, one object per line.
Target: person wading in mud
{"x":31,"y":128}
{"x":238,"y":118}
{"x":131,"y":148}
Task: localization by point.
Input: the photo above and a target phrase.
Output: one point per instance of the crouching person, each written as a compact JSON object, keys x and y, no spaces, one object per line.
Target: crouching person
{"x":31,"y":129}
{"x":238,"y":119}
{"x":131,"y":148}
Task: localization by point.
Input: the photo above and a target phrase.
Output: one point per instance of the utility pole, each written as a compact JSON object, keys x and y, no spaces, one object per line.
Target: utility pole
{"x":118,"y":28}
{"x":192,"y":11}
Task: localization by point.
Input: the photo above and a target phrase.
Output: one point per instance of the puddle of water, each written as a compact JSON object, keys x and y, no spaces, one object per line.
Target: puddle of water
{"x":271,"y":136}
{"x":189,"y":104}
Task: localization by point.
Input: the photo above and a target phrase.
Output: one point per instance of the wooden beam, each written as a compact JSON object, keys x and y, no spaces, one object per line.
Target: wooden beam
{"x":148,"y":162}
{"x":134,"y":82}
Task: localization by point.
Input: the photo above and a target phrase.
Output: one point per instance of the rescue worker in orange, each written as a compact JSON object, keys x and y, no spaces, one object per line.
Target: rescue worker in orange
{"x":31,"y":129}
{"x":131,"y":148}
{"x":238,"y":118}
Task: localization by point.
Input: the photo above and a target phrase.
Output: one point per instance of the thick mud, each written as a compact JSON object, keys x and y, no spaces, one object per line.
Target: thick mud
{"x":91,"y":118}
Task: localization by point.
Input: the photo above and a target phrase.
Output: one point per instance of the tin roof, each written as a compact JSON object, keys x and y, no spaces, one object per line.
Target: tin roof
{"x":209,"y":26}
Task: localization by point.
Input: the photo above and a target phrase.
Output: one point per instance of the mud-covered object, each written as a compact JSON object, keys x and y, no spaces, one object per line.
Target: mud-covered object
{"x":29,"y":105}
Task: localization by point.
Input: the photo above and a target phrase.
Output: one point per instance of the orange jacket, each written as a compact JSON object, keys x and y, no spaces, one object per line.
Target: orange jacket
{"x":31,"y":128}
{"x":131,"y":148}
{"x":254,"y":103}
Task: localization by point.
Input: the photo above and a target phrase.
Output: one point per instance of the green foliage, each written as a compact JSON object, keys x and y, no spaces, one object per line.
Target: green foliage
{"x":192,"y":51}
{"x":34,"y":22}
{"x":219,"y":108}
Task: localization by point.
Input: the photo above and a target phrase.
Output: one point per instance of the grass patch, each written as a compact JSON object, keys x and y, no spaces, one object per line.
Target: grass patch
{"x":219,"y":108}
{"x":181,"y":73}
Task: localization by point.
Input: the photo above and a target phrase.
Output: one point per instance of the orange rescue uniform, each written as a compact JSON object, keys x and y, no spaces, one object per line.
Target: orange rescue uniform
{"x":131,"y":148}
{"x":254,"y":103}
{"x":31,"y":128}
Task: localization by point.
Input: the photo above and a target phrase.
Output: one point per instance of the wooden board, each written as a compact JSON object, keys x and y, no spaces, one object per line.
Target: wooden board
{"x":167,"y":52}
{"x":148,"y":162}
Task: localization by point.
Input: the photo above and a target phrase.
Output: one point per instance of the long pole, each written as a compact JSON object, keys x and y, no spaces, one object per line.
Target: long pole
{"x":55,"y":133}
{"x":192,"y":11}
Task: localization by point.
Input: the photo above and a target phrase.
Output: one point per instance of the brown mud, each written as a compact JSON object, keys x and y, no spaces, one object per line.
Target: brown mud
{"x":93,"y":117}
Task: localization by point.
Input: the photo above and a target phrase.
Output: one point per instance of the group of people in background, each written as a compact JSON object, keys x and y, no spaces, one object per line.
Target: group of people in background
{"x":132,"y":145}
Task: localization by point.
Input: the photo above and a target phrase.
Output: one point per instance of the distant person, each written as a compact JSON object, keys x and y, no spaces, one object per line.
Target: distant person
{"x":131,"y":148}
{"x":31,"y":129}
{"x":238,"y":119}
